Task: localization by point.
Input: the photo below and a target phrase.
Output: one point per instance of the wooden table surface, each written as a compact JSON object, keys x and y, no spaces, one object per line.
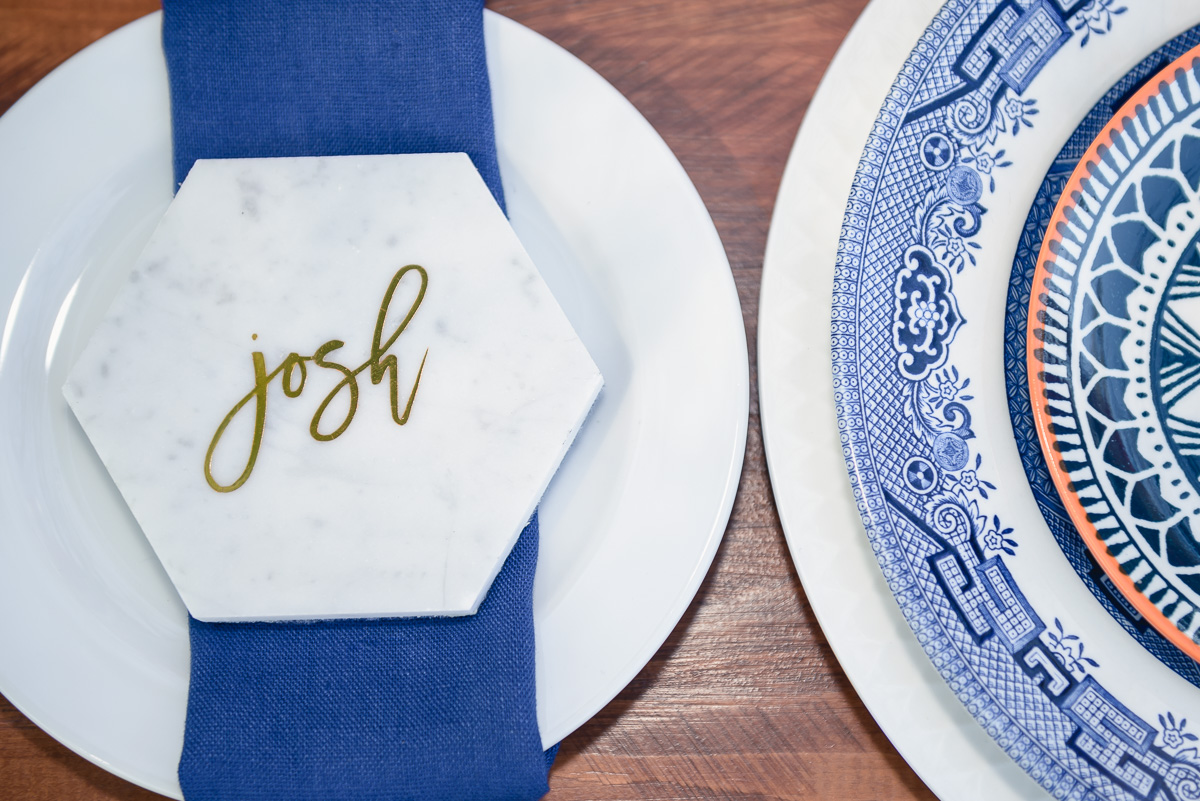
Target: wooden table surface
{"x":745,"y":700}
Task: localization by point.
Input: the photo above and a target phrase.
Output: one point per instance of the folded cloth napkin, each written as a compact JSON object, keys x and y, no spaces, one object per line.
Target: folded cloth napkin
{"x":440,"y":708}
{"x":421,"y":709}
{"x":314,"y":78}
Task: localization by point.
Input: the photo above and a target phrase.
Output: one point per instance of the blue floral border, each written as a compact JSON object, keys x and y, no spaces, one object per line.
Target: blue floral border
{"x":927,"y":175}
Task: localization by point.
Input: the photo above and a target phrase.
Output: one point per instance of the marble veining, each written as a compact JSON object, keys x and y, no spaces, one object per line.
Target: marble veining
{"x":291,"y":445}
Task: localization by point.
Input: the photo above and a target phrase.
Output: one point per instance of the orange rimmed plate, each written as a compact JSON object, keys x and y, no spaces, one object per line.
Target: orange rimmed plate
{"x":1114,"y":350}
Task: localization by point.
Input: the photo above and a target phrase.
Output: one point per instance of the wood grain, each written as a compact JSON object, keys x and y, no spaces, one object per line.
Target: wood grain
{"x":745,"y":700}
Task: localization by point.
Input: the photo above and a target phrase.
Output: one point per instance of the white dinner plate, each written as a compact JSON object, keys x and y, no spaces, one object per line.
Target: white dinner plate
{"x":94,"y":638}
{"x":888,"y":665}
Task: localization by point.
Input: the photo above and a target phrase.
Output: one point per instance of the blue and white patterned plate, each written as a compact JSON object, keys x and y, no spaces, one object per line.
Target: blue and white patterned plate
{"x":936,"y":214}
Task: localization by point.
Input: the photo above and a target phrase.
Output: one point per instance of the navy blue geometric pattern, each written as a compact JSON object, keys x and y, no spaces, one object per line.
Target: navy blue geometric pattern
{"x":908,"y":440}
{"x":1020,"y":410}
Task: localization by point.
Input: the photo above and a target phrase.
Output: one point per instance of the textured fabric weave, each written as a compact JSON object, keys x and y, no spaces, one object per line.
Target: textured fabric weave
{"x":418,"y":709}
{"x":311,"y":78}
{"x":422,"y":709}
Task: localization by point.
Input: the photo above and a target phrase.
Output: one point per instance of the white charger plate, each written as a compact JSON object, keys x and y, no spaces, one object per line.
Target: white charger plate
{"x":94,"y":636}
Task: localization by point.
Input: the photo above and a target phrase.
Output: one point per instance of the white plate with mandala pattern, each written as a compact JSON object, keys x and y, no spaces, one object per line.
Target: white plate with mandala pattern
{"x":955,"y":160}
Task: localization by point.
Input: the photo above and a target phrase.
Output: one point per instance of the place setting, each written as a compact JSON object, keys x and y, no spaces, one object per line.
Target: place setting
{"x":223,"y":540}
{"x":1008,"y":302}
{"x":379,"y":394}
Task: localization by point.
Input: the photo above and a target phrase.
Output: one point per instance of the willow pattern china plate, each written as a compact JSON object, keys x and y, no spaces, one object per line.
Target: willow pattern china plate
{"x":94,"y":637}
{"x":937,"y":211}
{"x":1114,"y":353}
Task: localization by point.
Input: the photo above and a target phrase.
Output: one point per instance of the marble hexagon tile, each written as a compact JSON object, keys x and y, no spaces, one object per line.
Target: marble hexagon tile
{"x":333,"y":387}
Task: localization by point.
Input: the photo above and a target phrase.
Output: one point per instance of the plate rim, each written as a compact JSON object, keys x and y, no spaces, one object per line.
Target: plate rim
{"x":871,"y":640}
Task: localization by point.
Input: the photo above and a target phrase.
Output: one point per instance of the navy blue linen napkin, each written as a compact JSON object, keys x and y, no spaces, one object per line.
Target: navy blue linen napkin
{"x":322,"y":78}
{"x":422,"y":709}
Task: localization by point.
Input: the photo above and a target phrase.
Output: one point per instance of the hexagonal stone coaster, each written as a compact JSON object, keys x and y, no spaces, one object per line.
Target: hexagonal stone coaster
{"x":333,"y":387}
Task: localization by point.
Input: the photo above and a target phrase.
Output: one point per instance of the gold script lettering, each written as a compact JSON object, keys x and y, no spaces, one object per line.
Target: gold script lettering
{"x":294,"y":375}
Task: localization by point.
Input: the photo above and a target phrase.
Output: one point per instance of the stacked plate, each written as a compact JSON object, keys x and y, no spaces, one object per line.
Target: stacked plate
{"x":1014,"y":363}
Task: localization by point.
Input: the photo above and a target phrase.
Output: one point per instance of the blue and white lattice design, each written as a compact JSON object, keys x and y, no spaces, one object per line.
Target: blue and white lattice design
{"x":931,"y":167}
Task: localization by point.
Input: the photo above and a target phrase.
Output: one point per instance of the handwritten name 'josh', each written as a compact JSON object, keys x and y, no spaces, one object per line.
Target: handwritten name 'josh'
{"x":293,"y":373}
